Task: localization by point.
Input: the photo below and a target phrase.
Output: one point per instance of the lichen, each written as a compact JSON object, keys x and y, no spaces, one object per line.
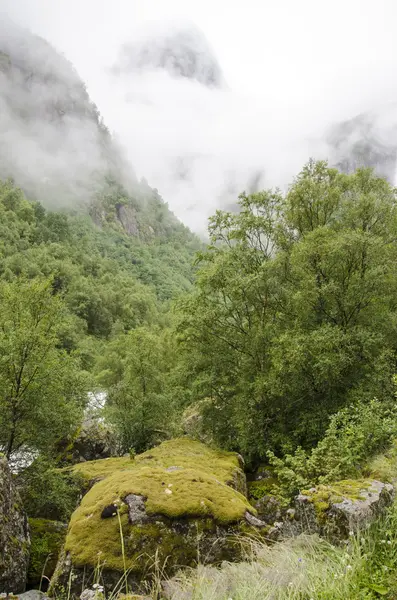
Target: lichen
{"x":181,"y":480}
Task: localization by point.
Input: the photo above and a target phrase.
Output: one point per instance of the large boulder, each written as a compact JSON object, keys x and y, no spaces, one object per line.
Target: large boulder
{"x":335,"y":511}
{"x":14,"y":535}
{"x":170,"y":507}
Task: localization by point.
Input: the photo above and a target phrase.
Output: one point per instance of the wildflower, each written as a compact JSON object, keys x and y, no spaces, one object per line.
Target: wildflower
{"x":351,"y":533}
{"x":349,"y":568}
{"x":389,"y":542}
{"x":383,"y":541}
{"x":300,"y":560}
{"x":385,"y":568}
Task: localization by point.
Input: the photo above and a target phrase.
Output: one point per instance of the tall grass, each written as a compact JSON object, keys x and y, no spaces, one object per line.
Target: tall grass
{"x":303,"y":568}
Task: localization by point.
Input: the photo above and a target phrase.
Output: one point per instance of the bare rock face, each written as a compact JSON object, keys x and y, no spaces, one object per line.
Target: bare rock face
{"x":337,"y":510}
{"x":14,"y":535}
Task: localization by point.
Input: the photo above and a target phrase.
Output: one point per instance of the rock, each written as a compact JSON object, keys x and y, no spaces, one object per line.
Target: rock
{"x":254,"y":521}
{"x":197,"y":521}
{"x":336,"y":510}
{"x":33,"y":595}
{"x":136,"y":508}
{"x":95,"y":440}
{"x":109,"y":511}
{"x":47,"y":539}
{"x":14,"y":535}
{"x":270,"y":509}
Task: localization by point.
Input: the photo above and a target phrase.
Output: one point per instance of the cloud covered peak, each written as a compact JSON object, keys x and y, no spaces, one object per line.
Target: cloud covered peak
{"x":180,"y":49}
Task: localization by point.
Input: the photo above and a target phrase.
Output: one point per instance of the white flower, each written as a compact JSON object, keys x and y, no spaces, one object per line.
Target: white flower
{"x":351,"y":533}
{"x":349,"y":567}
{"x":95,"y":586}
{"x":389,"y":542}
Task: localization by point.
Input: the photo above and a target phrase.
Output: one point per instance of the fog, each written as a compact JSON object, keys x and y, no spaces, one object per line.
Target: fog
{"x":267,"y":85}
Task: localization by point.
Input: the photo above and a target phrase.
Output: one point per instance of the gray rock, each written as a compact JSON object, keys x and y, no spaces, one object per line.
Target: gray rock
{"x":14,"y":535}
{"x":33,"y":595}
{"x":337,"y":515}
{"x":136,"y":509}
{"x":254,"y":521}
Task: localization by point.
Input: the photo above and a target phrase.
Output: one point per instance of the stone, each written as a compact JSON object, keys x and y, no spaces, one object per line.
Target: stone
{"x":169,"y":517}
{"x":14,"y":535}
{"x":337,"y":510}
{"x":136,"y":509}
{"x":33,"y":595}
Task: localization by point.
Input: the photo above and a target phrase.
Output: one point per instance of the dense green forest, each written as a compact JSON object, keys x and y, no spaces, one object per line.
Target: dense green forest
{"x":291,"y":317}
{"x":73,"y":293}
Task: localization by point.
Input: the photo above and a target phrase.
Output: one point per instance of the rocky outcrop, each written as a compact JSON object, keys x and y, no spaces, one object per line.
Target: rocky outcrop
{"x":14,"y":535}
{"x":338,"y":510}
{"x":170,"y":507}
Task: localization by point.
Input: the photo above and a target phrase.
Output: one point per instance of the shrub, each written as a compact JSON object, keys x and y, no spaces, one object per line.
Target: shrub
{"x":354,"y":434}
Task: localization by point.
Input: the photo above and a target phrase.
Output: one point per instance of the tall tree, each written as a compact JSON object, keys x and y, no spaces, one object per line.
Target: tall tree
{"x":42,"y":388}
{"x":294,"y":308}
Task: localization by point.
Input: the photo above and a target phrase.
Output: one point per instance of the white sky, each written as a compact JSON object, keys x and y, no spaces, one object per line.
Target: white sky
{"x":293,"y":68}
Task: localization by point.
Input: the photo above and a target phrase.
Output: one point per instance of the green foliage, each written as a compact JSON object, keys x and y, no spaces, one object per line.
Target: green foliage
{"x":42,"y":389}
{"x":293,"y":313}
{"x":47,"y":538}
{"x":354,"y":434}
{"x":49,"y":493}
{"x":142,"y":398}
{"x":303,"y":568}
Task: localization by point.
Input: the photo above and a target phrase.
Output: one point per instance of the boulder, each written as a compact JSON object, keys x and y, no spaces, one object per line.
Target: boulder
{"x":14,"y":535}
{"x":94,"y":440}
{"x":172,"y":506}
{"x":335,"y":511}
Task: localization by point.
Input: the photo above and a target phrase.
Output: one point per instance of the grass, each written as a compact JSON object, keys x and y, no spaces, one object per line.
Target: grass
{"x":303,"y":568}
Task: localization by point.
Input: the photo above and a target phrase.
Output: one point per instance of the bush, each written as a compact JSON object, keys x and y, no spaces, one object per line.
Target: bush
{"x":47,"y":492}
{"x":354,"y":435}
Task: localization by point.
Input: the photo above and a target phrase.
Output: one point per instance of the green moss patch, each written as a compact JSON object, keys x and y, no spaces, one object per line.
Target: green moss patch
{"x":325,"y":495}
{"x":180,"y":479}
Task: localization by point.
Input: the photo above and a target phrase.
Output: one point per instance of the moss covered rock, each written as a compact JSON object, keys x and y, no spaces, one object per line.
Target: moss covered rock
{"x":14,"y":535}
{"x":47,"y":539}
{"x":170,"y":506}
{"x":338,"y":509}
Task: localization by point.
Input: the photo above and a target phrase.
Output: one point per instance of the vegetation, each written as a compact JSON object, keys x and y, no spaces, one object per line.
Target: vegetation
{"x":280,"y":344}
{"x":47,"y":538}
{"x":293,"y":313}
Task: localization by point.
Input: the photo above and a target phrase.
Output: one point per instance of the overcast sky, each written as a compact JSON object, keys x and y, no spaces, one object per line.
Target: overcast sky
{"x":293,"y":68}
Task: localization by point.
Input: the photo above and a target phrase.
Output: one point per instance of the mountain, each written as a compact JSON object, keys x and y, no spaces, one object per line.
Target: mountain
{"x":367,"y":140}
{"x":182,"y":51}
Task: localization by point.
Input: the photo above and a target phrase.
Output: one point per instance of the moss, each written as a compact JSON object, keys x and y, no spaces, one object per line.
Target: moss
{"x":99,"y":469}
{"x":47,"y":538}
{"x":196,"y":489}
{"x":324,"y":495}
{"x":259,"y":489}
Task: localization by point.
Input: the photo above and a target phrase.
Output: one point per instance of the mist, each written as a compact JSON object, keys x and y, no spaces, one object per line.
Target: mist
{"x":265,"y":88}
